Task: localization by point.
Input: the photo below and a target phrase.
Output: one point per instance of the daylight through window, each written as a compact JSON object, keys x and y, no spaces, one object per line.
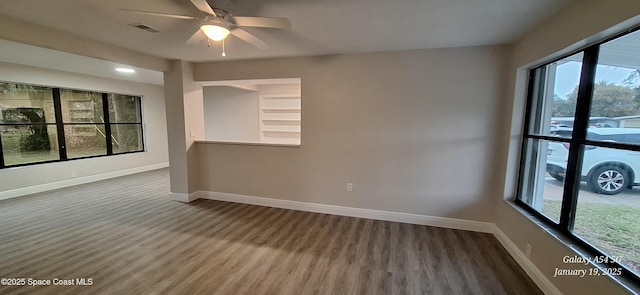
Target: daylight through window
{"x":45,"y":124}
{"x":581,"y":150}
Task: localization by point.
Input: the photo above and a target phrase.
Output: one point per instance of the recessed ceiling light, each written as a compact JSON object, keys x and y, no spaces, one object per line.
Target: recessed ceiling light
{"x":125,"y":70}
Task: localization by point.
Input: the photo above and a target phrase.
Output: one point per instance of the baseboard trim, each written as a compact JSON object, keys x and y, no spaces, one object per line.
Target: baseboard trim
{"x":534,"y":273}
{"x":184,"y":198}
{"x":76,"y":181}
{"x":350,"y":211}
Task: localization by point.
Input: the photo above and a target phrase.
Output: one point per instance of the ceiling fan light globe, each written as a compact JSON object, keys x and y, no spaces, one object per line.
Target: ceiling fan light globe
{"x":215,"y":32}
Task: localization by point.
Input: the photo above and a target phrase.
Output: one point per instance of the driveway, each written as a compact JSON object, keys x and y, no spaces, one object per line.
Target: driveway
{"x":553,"y":191}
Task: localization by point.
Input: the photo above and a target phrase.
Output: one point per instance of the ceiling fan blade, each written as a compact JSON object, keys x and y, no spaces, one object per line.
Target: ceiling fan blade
{"x":198,"y":37}
{"x":203,"y":6}
{"x":262,"y":22}
{"x":159,"y":14}
{"x":250,"y":38}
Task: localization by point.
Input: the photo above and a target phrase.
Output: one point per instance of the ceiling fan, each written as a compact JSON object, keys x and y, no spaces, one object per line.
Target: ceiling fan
{"x":219,"y":22}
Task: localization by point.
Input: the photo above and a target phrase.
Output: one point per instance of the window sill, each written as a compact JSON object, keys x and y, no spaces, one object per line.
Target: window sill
{"x":247,"y":143}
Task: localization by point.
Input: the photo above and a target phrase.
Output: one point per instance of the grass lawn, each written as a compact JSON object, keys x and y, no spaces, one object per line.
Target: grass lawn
{"x":615,"y":229}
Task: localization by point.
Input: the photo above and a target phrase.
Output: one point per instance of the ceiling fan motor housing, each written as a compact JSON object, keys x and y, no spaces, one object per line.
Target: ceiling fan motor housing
{"x":223,"y":8}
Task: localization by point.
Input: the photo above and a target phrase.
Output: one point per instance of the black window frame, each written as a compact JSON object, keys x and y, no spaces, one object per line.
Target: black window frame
{"x":577,"y":142}
{"x":109,"y":123}
{"x":60,"y":124}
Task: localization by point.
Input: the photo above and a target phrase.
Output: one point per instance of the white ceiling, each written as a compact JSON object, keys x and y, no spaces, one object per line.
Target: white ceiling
{"x":319,"y":26}
{"x":23,"y":54}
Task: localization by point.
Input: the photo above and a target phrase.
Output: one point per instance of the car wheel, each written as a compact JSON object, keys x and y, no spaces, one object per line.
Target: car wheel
{"x":608,"y":180}
{"x":557,"y":177}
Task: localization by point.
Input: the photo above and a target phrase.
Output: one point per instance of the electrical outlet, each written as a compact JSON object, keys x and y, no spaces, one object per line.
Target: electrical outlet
{"x":349,"y":187}
{"x":73,"y":173}
{"x":528,"y":251}
{"x":192,"y":133}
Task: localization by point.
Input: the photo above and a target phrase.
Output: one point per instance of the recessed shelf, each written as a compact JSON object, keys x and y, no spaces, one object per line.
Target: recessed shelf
{"x":281,"y":122}
{"x":281,"y":131}
{"x":274,"y":97}
{"x":280,"y":118}
{"x":281,"y":110}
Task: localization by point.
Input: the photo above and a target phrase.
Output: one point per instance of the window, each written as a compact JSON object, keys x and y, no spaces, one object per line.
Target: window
{"x":44,"y":124}
{"x":581,"y":150}
{"x":27,"y":124}
{"x":125,"y":123}
{"x":83,"y":123}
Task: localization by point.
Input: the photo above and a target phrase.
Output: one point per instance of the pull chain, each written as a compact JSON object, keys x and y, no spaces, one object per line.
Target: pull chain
{"x":223,"y":53}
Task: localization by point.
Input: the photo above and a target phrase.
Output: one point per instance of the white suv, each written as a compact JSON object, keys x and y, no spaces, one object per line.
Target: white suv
{"x":606,"y":171}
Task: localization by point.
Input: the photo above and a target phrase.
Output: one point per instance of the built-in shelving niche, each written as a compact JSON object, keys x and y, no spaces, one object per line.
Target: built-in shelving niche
{"x":280,"y":119}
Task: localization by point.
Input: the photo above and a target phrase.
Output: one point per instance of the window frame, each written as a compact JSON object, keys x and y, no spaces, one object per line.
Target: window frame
{"x":109,"y":124}
{"x":60,"y":124}
{"x":577,"y":142}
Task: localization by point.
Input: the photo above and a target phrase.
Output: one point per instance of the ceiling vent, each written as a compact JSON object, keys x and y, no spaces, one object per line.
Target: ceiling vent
{"x":144,"y":27}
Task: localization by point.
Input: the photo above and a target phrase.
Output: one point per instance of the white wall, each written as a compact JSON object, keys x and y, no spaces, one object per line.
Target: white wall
{"x":185,"y":123}
{"x":153,"y":112}
{"x":414,"y":131}
{"x":580,"y":24}
{"x":231,"y":114}
{"x":279,"y":89}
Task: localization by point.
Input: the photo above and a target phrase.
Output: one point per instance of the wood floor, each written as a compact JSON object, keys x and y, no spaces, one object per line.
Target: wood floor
{"x":129,"y":238}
